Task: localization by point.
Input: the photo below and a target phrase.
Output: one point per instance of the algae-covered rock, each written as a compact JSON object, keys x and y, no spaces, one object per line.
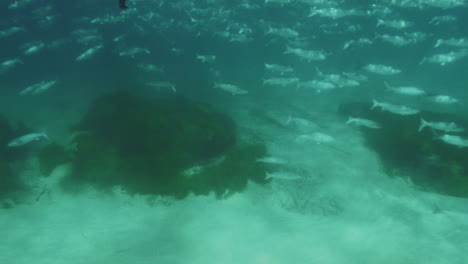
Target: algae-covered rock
{"x":430,"y":162}
{"x":143,"y":144}
{"x":50,"y":156}
{"x":9,"y":183}
{"x":6,"y":134}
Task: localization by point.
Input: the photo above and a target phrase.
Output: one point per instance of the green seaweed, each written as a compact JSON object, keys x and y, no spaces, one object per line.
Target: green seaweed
{"x":143,"y":145}
{"x":429,"y":162}
{"x":9,"y":182}
{"x":50,"y":156}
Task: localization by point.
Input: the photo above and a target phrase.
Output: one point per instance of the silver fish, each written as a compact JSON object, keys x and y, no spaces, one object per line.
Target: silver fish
{"x":363,"y":122}
{"x":442,"y":126}
{"x":26,"y":139}
{"x":454,"y":140}
{"x":206,"y":58}
{"x":444,"y":99}
{"x":381,"y":69}
{"x":89,"y":53}
{"x":405,"y":90}
{"x":396,"y":109}
{"x":230,"y":88}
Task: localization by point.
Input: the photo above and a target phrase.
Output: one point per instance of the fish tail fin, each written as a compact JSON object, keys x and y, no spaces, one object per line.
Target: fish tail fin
{"x":380,"y":22}
{"x":268,"y":175}
{"x":387,"y":86}
{"x":422,"y":125}
{"x":374,"y":104}
{"x":318,"y":71}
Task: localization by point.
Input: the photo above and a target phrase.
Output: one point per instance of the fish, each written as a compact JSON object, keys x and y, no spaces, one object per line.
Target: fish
{"x":283,"y":32}
{"x":307,"y":55}
{"x":9,"y":64}
{"x":396,"y":109}
{"x":150,"y":67}
{"x":38,"y":88}
{"x":44,"y":87}
{"x":300,"y":122}
{"x":454,"y":140}
{"x":445,"y":58}
{"x":442,"y":126}
{"x":381,"y":69}
{"x":131,"y":52}
{"x":192,"y":171}
{"x":26,"y":139}
{"x":340,"y":80}
{"x":89,"y":53}
{"x":396,"y":40}
{"x":19,"y":4}
{"x":280,"y":81}
{"x":453,"y":42}
{"x":163,"y":84}
{"x":316,"y":137}
{"x":231,"y":88}
{"x":281,"y":2}
{"x":89,"y":39}
{"x":276,"y":68}
{"x":31,"y":48}
{"x":119,"y":38}
{"x":206,"y":58}
{"x":355,"y":77}
{"x":317,"y":85}
{"x":405,"y":90}
{"x":363,"y":122}
{"x":444,"y":99}
{"x":358,"y":42}
{"x":395,"y":24}
{"x":271,"y":160}
{"x":335,"y":13}
{"x":437,"y":20}
{"x":282,"y":175}
{"x":10,"y":31}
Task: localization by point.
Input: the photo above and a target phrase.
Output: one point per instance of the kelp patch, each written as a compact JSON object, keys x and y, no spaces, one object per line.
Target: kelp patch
{"x":145,"y":145}
{"x":429,"y":161}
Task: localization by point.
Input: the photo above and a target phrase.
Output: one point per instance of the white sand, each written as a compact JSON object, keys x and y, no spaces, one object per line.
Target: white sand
{"x":343,"y":210}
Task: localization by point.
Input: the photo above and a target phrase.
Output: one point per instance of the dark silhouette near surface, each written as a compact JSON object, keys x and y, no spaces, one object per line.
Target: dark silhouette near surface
{"x":122,"y":4}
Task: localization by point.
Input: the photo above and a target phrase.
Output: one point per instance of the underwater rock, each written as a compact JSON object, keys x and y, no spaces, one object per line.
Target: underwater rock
{"x":144,"y":144}
{"x":50,"y":156}
{"x":9,"y":183}
{"x":6,"y":134}
{"x":428,"y":161}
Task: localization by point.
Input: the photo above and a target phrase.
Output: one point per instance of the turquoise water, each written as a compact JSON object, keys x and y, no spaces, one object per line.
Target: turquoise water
{"x":331,"y":197}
